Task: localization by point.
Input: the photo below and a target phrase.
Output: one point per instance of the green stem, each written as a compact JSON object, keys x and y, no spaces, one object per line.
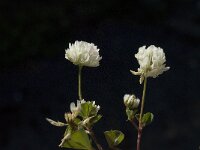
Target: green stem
{"x":141,"y":114}
{"x":143,"y":100}
{"x":79,"y":82}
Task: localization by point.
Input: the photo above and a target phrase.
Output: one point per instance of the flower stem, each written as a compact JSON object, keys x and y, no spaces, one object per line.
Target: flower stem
{"x":134,"y":124}
{"x":91,"y":133}
{"x":141,"y":114}
{"x":79,"y":82}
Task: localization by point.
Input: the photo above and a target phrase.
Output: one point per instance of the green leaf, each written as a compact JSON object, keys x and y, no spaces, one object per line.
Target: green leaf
{"x":88,"y":109}
{"x":114,"y":137}
{"x":76,"y":140}
{"x":147,"y":118}
{"x":85,"y":108}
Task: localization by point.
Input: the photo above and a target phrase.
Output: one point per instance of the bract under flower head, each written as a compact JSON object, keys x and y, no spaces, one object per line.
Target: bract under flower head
{"x":83,"y":54}
{"x":151,"y":61}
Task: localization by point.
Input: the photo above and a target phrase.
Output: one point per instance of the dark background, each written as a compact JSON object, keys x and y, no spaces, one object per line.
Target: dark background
{"x":36,"y":81}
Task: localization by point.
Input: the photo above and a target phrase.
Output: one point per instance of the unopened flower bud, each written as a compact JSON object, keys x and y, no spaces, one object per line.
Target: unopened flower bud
{"x":131,"y":101}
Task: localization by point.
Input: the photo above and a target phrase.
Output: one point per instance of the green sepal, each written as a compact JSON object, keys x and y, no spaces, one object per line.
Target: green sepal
{"x":147,"y":118}
{"x":113,"y":137}
{"x":76,"y":140}
{"x":131,"y":113}
{"x":137,"y":116}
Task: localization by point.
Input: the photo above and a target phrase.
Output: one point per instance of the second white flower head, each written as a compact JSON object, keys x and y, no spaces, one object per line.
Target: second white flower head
{"x":151,"y":61}
{"x":83,"y":54}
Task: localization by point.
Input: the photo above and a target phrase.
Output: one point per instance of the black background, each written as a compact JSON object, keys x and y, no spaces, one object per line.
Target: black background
{"x":36,"y":81}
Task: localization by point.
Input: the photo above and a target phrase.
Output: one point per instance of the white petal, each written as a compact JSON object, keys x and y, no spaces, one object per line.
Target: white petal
{"x":72,"y":107}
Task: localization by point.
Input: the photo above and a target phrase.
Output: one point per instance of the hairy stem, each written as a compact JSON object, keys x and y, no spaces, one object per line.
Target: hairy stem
{"x":79,"y":82}
{"x":141,"y":114}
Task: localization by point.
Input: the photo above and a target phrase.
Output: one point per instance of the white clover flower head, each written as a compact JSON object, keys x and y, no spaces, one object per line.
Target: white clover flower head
{"x":152,"y":62}
{"x":83,"y":54}
{"x":131,"y":101}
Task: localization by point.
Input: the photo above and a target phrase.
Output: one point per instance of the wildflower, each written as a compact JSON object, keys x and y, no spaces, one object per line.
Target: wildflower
{"x":131,"y":101}
{"x":151,"y":61}
{"x":83,"y":54}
